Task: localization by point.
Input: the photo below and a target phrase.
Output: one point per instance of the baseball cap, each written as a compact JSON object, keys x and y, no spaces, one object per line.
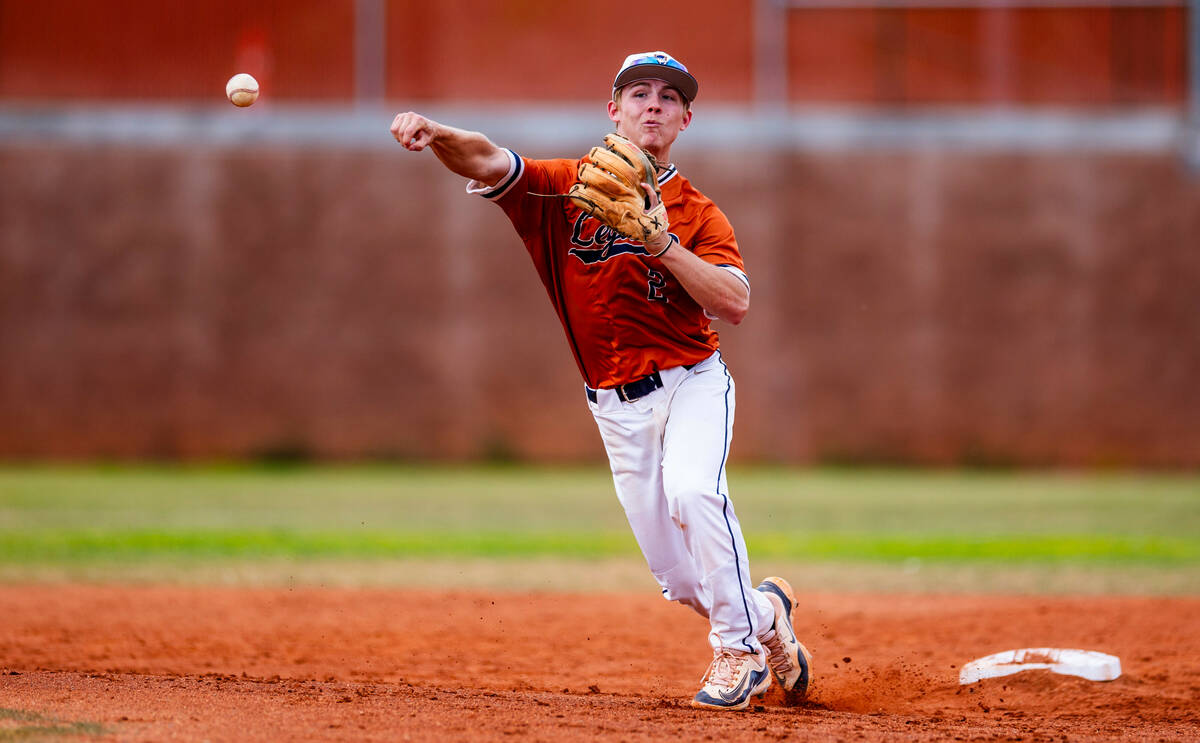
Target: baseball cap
{"x":657,"y":66}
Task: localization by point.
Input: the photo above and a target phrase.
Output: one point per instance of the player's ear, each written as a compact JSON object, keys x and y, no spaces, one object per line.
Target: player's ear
{"x":687,"y":118}
{"x":614,"y":111}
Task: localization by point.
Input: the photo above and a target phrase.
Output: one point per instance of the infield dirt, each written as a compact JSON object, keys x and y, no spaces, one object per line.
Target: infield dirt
{"x":217,"y":664}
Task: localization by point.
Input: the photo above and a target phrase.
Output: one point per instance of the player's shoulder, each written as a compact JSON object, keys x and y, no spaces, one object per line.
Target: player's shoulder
{"x":553,"y":162}
{"x":671,"y":180}
{"x":553,"y":165}
{"x":677,"y":187}
{"x":553,"y":173}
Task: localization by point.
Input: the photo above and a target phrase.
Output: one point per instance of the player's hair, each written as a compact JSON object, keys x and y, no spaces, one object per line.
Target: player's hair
{"x":687,"y":105}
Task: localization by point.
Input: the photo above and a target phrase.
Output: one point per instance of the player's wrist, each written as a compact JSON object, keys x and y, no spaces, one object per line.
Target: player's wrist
{"x":657,"y":249}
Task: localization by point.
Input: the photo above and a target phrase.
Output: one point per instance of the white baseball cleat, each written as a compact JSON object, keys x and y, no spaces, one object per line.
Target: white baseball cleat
{"x":789,"y":660}
{"x":731,"y":679}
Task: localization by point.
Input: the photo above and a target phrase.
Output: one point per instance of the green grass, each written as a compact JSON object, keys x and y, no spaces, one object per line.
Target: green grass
{"x":56,"y":545}
{"x":22,"y":725}
{"x":113,"y":515}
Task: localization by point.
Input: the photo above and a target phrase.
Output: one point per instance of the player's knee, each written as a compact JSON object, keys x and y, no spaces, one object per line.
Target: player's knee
{"x":687,"y":494}
{"x":682,"y":584}
{"x":691,"y":600}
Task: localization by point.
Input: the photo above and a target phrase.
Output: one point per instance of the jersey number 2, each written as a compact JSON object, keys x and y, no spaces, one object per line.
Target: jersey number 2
{"x":657,"y":284}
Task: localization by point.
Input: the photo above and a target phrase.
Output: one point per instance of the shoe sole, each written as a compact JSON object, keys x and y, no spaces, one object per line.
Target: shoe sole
{"x":798,"y":693}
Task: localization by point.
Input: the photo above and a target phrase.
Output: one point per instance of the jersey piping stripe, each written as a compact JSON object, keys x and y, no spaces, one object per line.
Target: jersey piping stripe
{"x":667,"y":174}
{"x":737,"y":560}
{"x":515,"y":169}
{"x":736,"y":272}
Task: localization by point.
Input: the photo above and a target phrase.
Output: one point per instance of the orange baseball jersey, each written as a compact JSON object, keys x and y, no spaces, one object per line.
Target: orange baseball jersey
{"x":624,"y":314}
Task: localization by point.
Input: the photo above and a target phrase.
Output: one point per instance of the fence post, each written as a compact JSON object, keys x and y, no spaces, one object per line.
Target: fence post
{"x":770,"y":53}
{"x":1191,"y":134}
{"x":370,"y":74}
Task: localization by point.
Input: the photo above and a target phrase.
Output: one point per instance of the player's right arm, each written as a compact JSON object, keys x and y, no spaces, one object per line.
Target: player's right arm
{"x":470,"y":154}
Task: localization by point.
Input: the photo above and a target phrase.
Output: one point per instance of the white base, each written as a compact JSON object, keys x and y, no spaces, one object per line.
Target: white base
{"x":1087,"y":664}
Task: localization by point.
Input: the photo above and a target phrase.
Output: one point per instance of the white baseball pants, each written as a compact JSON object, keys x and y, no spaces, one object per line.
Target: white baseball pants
{"x":668,"y":452}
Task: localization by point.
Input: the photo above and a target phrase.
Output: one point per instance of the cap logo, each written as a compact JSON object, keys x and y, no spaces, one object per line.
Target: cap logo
{"x":669,"y":69}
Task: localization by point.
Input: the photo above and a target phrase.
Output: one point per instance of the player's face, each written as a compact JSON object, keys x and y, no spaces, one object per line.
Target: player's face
{"x":651,"y":114}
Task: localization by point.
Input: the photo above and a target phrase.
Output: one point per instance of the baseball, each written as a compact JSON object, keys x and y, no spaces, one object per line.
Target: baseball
{"x":241,"y":90}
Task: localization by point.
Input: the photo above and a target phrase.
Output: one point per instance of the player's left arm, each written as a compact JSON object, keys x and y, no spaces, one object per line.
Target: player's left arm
{"x":722,"y":293}
{"x":719,"y":292}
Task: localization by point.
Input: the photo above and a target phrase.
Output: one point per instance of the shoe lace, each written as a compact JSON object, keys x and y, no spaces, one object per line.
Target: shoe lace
{"x":723,"y":670}
{"x":777,"y":655}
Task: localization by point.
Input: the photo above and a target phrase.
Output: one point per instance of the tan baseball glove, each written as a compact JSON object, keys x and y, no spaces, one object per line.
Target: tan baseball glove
{"x":609,"y":189}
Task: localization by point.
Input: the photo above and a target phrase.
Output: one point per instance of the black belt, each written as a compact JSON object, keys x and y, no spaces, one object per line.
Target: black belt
{"x":634,"y":390}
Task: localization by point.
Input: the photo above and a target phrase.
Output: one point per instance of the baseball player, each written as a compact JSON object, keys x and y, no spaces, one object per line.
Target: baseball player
{"x":637,"y":262}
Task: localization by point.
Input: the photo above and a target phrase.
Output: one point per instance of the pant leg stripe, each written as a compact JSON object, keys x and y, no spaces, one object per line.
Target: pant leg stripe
{"x":725,"y":511}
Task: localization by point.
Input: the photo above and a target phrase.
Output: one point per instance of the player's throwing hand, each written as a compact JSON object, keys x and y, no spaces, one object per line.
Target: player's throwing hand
{"x":413,"y":130}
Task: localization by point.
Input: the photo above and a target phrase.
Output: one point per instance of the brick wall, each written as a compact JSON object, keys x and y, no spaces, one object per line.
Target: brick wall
{"x":921,"y":306}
